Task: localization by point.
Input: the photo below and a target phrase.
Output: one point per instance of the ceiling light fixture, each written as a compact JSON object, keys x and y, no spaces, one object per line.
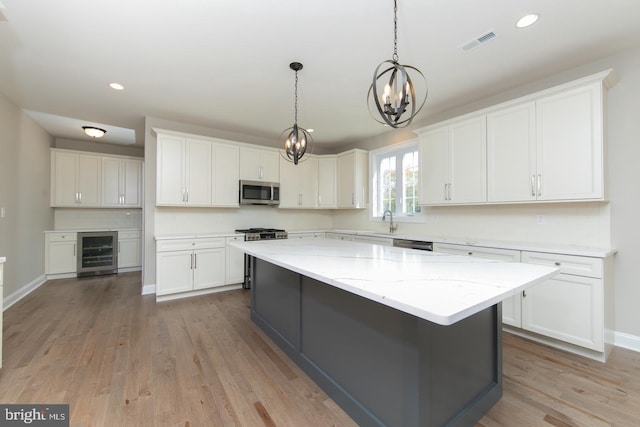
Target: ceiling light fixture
{"x":94,"y":132}
{"x":399,"y":92}
{"x":116,"y":86}
{"x":527,"y":20}
{"x":297,"y":139}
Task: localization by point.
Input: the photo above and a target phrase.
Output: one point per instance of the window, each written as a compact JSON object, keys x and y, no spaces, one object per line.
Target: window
{"x":394,"y":180}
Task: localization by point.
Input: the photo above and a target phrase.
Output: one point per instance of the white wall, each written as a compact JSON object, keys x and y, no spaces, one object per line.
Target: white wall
{"x":605,"y":225}
{"x":24,"y":193}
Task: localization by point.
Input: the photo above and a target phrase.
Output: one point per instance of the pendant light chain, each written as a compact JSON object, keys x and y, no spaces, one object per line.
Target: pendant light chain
{"x":295,"y":117}
{"x":395,"y":31}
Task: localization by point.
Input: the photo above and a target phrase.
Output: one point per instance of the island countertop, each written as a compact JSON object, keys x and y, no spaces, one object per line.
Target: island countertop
{"x":437,"y":287}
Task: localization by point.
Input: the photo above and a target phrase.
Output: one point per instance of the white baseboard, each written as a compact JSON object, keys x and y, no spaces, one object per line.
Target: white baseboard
{"x":23,"y":292}
{"x":149,"y":289}
{"x":628,"y":341}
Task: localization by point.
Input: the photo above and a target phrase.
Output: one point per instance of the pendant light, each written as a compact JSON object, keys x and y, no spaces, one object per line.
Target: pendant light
{"x":297,"y":139}
{"x":393,"y":90}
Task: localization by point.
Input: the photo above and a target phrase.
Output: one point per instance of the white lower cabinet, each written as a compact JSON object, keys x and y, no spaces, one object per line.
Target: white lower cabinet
{"x":60,"y":252}
{"x":511,"y":307}
{"x":129,"y":249}
{"x":339,"y":236}
{"x":184,"y":265}
{"x":385,"y":241}
{"x":235,"y":262}
{"x":571,"y":306}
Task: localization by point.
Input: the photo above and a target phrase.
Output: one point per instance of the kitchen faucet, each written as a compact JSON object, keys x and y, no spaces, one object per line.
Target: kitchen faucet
{"x":392,"y":227}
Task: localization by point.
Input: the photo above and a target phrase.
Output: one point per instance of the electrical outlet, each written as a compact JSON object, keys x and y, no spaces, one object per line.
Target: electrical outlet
{"x":541,"y":219}
{"x":3,"y":212}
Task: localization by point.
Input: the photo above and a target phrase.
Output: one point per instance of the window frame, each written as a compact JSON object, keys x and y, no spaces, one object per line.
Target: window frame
{"x":374,"y":160}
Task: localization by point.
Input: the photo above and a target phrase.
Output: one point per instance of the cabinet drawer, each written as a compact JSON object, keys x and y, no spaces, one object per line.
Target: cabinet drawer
{"x":187,"y":244}
{"x":569,"y":264}
{"x":63,"y":237}
{"x":129,"y":234}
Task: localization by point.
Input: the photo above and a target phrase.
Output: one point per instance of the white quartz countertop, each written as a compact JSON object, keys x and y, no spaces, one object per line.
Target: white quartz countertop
{"x":200,"y":235}
{"x":440,"y":288}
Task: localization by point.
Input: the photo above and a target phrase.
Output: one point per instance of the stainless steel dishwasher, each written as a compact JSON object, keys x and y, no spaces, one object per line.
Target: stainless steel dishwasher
{"x":413,"y":244}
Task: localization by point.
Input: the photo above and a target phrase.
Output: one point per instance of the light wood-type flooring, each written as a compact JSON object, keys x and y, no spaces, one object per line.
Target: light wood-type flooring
{"x":120,"y":359}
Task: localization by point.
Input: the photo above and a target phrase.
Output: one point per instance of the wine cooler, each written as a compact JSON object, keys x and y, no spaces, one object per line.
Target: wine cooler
{"x":97,"y":253}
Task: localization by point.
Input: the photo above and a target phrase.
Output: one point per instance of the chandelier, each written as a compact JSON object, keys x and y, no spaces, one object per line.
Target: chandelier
{"x":393,"y":90}
{"x":297,"y":139}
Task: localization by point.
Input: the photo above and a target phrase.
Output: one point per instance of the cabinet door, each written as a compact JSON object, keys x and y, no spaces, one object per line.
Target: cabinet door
{"x":89,"y":180}
{"x":61,"y":257}
{"x":174,"y":272}
{"x":250,"y":166}
{"x":434,"y":166}
{"x":170,"y":172}
{"x":129,"y":253}
{"x":327,"y":182}
{"x":569,"y":144}
{"x":568,"y":308}
{"x":131,"y":183}
{"x":111,"y":182}
{"x":208,"y":268}
{"x":198,"y":172}
{"x":270,"y":166}
{"x":468,"y":161}
{"x":346,"y":181}
{"x":308,"y":178}
{"x":65,"y":171}
{"x":226,"y":175}
{"x":511,"y":154}
{"x":235,"y":263}
{"x":289,"y":184}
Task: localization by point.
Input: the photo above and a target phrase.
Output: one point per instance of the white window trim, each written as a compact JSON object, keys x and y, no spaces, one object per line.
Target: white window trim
{"x":417,"y":218}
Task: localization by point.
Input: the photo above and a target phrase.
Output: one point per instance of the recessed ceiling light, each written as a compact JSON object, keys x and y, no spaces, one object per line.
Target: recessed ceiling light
{"x":310,"y":130}
{"x":116,"y":86}
{"x":94,"y":132}
{"x":527,"y":20}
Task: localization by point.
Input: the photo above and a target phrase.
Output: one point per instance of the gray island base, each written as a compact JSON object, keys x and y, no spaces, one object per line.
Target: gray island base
{"x":382,"y":366}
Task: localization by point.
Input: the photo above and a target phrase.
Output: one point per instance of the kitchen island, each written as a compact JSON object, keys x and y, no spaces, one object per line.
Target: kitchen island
{"x":395,"y":336}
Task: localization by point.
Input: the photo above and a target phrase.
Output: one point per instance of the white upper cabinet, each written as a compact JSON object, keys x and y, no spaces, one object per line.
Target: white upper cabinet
{"x":569,"y":127}
{"x":511,"y":154}
{"x":226,"y":175}
{"x":453,"y":163}
{"x":327,"y":182}
{"x":121,"y":182}
{"x":257,"y":164}
{"x":548,"y":149}
{"x":75,"y":179}
{"x":183,"y":171}
{"x":299,"y":183}
{"x":352,"y":172}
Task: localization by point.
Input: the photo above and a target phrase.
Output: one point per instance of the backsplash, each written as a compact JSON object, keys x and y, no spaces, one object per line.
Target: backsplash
{"x":92,"y":219}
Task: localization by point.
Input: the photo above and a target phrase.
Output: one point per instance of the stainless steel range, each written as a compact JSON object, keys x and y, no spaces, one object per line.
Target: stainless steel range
{"x":252,"y":234}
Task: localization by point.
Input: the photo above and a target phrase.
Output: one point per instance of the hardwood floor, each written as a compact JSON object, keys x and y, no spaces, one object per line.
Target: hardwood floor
{"x":120,"y":359}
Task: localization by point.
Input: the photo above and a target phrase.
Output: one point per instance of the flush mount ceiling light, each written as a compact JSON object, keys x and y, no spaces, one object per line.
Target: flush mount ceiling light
{"x":297,"y":139}
{"x":527,"y":20}
{"x":94,"y":132}
{"x":393,"y":90}
{"x":116,"y":86}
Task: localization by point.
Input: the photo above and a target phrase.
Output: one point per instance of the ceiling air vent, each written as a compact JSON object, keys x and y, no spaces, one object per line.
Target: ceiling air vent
{"x":472,"y":44}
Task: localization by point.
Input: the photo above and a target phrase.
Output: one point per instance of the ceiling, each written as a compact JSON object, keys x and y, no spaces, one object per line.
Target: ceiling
{"x":225,"y":65}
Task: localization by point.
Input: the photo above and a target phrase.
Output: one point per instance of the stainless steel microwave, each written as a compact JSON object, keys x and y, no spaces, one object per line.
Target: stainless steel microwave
{"x":259,"y":193}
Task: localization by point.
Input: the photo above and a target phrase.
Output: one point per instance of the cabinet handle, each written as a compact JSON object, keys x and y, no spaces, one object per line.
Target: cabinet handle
{"x":539,"y":185}
{"x":195,"y":261}
{"x":557,"y":263}
{"x":260,"y":172}
{"x":80,"y":194}
{"x":191,"y":258}
{"x":533,"y":185}
{"x":469,"y":253}
{"x":118,"y":247}
{"x":449,"y":191}
{"x":74,"y":249}
{"x":445,"y":191}
{"x":524,"y":294}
